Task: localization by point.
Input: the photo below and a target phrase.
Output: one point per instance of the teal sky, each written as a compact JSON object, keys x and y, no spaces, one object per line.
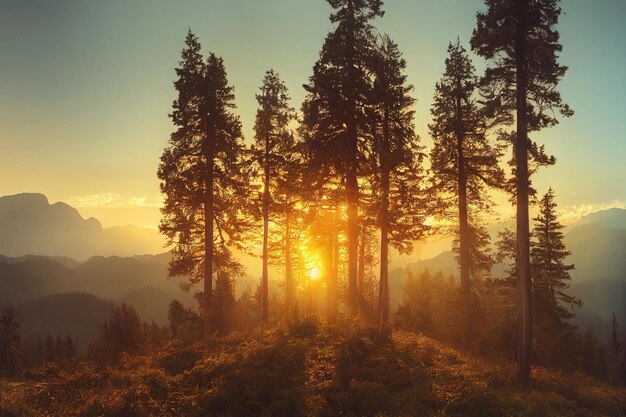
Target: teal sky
{"x":86,"y":86}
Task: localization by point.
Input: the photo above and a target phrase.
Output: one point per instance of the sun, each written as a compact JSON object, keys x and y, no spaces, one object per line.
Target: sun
{"x":314,"y":273}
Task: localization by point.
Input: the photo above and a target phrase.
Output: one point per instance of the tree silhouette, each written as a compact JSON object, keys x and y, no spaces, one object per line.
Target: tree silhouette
{"x":272,"y":151}
{"x":10,"y":341}
{"x":518,"y":37}
{"x":615,"y":351}
{"x":204,"y":176}
{"x":333,"y":109}
{"x":398,"y":174}
{"x":464,"y":164}
{"x":550,"y":273}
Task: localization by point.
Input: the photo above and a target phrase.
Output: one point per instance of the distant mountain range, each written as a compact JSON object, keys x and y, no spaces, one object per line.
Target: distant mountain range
{"x":30,"y":225}
{"x":110,"y":278}
{"x":40,"y":243}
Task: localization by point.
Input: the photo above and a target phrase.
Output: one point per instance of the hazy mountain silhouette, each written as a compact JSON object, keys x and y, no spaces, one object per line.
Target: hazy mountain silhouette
{"x":80,"y":315}
{"x":613,"y":217}
{"x":113,"y":278}
{"x":30,"y":225}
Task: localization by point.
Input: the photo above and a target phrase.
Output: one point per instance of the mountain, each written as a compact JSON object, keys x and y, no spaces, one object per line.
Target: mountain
{"x":614,"y":218}
{"x":601,"y":299}
{"x":30,"y":225}
{"x":598,"y":252}
{"x":140,"y":281}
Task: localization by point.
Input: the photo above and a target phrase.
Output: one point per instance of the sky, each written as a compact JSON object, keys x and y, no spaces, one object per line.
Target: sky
{"x":86,"y":88}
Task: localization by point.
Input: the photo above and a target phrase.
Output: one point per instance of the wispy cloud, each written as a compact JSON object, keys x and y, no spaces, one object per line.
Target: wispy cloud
{"x":571,"y":214}
{"x":111,"y":200}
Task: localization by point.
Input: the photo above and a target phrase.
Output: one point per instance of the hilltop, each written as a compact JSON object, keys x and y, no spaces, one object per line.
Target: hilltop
{"x":303,"y":372}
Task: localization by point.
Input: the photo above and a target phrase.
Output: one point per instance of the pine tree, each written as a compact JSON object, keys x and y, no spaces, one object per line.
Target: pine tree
{"x":397,"y":163}
{"x":272,"y":152}
{"x":41,"y":350}
{"x":176,"y":316}
{"x":49,"y":348}
{"x":10,"y":341}
{"x":333,"y":110}
{"x":465,"y":164}
{"x":518,"y":37}
{"x":590,"y":352}
{"x":204,"y":175}
{"x":550,"y":273}
{"x":59,"y":349}
{"x":71,"y":350}
{"x":288,"y":213}
{"x":615,"y":350}
{"x":122,"y":333}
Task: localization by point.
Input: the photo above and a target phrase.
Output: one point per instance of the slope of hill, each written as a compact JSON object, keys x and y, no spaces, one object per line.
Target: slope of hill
{"x":30,"y":225}
{"x":80,"y":315}
{"x":112,"y":278}
{"x":598,"y":252}
{"x":150,"y":303}
{"x":333,"y":373}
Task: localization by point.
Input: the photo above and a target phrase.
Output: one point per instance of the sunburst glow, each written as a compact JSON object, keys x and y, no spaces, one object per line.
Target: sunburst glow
{"x":314,"y":273}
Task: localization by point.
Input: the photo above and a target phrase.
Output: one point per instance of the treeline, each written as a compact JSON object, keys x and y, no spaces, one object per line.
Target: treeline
{"x":328,"y":190}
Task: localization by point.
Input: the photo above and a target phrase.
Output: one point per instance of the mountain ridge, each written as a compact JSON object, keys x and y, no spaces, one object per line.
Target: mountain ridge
{"x":30,"y":225}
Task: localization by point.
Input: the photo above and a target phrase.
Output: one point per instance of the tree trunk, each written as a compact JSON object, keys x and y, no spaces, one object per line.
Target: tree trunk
{"x":352,"y":185}
{"x":332,"y":311}
{"x":361,"y":272}
{"x":383,"y":286}
{"x":208,"y":229}
{"x":288,"y":272}
{"x":464,"y":239}
{"x":265,"y":314}
{"x":521,"y":168}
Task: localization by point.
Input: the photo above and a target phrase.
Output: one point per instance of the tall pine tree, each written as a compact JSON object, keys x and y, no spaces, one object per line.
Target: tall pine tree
{"x":465,"y":164}
{"x":397,"y":162}
{"x":519,"y":39}
{"x":10,"y":341}
{"x":550,"y":273}
{"x":272,"y":150}
{"x":333,"y":109}
{"x":204,"y":176}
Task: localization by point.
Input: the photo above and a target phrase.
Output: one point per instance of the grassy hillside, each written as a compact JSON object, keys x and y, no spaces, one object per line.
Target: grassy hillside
{"x":305,"y":373}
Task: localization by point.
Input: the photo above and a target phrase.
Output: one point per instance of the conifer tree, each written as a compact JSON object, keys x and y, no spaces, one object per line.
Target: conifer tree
{"x":204,"y":175}
{"x":519,"y":39}
{"x":59,"y":349}
{"x":465,"y":164}
{"x":41,"y":350}
{"x":10,"y":341}
{"x":288,"y":217}
{"x":333,"y":111}
{"x":550,"y":273}
{"x":397,"y":162}
{"x":615,"y":351}
{"x":71,"y":349}
{"x":49,"y":348}
{"x":273,"y":152}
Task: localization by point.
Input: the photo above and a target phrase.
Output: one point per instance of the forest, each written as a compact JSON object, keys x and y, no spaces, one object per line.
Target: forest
{"x":325,"y":195}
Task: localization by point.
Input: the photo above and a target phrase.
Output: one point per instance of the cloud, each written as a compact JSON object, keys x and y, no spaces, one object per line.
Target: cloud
{"x":571,"y":214}
{"x":111,"y":200}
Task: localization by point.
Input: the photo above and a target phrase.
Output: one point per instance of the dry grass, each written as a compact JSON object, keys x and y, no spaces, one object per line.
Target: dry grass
{"x":335,"y":372}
